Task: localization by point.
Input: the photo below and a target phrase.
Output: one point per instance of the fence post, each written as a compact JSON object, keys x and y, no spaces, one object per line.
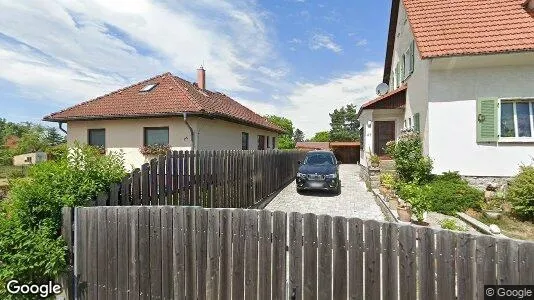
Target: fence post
{"x":67,"y":279}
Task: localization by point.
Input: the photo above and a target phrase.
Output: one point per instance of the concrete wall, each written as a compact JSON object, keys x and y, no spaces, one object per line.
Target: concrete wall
{"x":126,"y":135}
{"x":217,"y":134}
{"x":455,"y":85}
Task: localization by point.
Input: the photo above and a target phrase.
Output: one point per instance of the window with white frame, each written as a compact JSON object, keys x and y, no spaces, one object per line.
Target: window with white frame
{"x":516,"y":119}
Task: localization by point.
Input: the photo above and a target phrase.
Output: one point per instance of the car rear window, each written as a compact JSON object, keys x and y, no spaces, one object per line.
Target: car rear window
{"x":319,"y":159}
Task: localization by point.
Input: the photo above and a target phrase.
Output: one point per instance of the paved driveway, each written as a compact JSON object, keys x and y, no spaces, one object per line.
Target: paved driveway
{"x":354,"y":200}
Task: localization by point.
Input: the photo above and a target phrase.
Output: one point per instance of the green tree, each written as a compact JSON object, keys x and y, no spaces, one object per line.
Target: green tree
{"x":298,"y":136}
{"x":53,"y":137}
{"x":344,"y":124}
{"x":285,"y":141}
{"x":321,"y":136}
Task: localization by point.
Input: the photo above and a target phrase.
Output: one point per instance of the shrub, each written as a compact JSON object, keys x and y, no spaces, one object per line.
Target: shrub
{"x":154,"y":149}
{"x":450,"y":224}
{"x":443,"y":194}
{"x":387,"y":180}
{"x":30,"y":218}
{"x":521,"y":193}
{"x":410,"y":163}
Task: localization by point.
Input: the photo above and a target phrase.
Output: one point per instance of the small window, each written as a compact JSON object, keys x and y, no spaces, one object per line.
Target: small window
{"x":244,"y":140}
{"x":409,"y":122}
{"x":274,"y":142}
{"x":517,"y":118}
{"x":267,"y":138}
{"x":148,"y":87}
{"x":97,"y":137}
{"x":261,"y":142}
{"x":156,"y":136}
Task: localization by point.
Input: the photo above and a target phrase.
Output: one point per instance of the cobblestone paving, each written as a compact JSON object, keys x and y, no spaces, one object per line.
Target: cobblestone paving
{"x":354,"y":200}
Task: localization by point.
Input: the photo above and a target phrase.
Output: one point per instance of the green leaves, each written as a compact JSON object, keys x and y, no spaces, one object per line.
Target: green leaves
{"x":284,"y":141}
{"x":30,"y":218}
{"x":321,"y":136}
{"x":410,"y":163}
{"x":344,"y":124}
{"x":521,"y":193}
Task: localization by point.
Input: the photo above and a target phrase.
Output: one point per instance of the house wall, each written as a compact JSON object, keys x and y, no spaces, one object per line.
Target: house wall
{"x":217,"y":134}
{"x":396,"y":115}
{"x":29,"y":158}
{"x":417,"y":92}
{"x":126,"y":135}
{"x":455,"y":85}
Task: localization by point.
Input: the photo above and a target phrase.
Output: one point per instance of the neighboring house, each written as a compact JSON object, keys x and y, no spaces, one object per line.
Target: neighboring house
{"x":313,"y":146}
{"x":29,"y":159}
{"x":166,"y":110}
{"x":462,"y":74}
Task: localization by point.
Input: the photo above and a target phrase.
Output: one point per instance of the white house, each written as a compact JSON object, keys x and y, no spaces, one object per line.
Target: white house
{"x":462,"y":74}
{"x":166,"y":110}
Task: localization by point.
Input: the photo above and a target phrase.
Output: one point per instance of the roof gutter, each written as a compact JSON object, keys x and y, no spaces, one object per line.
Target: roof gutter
{"x":192,"y":132}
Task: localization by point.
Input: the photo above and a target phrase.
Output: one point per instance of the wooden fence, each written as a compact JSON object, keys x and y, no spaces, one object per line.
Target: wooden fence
{"x":173,"y":252}
{"x":237,"y":179}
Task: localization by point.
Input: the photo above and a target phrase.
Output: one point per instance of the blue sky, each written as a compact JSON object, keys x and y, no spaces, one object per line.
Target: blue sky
{"x":296,"y":58}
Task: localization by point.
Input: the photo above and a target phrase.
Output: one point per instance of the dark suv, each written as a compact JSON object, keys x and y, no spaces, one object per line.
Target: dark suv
{"x":319,"y":171}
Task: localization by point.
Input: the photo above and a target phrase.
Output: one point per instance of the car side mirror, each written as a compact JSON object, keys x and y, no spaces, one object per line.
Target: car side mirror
{"x":299,"y":162}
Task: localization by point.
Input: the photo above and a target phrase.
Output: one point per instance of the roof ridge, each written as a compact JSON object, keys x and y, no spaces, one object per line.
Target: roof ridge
{"x":186,"y":91}
{"x":108,"y":94}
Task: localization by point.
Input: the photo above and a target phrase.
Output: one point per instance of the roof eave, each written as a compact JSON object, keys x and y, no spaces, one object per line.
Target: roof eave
{"x":394,"y":15}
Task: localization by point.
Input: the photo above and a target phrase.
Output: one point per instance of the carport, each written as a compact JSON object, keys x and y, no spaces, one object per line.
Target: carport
{"x":346,"y":152}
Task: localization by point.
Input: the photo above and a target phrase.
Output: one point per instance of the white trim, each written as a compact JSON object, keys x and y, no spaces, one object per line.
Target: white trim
{"x":516,"y":139}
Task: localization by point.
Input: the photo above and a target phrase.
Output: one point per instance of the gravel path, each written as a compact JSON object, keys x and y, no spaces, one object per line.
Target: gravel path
{"x":354,"y":200}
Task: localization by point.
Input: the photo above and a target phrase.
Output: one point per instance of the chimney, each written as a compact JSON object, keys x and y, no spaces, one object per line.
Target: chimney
{"x":201,"y":78}
{"x":529,"y":5}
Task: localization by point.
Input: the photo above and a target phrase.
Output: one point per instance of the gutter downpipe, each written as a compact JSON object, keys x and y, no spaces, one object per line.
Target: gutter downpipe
{"x":61,"y":127}
{"x":193,"y":145}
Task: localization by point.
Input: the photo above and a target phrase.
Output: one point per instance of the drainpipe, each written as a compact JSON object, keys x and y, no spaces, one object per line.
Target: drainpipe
{"x":193,"y":146}
{"x":61,"y":127}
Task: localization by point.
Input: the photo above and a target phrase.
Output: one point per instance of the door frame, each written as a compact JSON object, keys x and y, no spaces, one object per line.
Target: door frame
{"x":375,"y":135}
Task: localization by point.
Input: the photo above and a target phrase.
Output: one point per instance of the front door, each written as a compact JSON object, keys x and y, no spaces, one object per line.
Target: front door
{"x":384,"y":132}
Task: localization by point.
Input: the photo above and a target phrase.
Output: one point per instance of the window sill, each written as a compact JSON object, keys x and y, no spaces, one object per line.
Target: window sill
{"x":516,"y":140}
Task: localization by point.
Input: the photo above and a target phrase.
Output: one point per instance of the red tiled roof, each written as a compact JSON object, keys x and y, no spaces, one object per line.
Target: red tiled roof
{"x":344,"y":144}
{"x":469,"y":27}
{"x":170,"y":97}
{"x":391,"y":100}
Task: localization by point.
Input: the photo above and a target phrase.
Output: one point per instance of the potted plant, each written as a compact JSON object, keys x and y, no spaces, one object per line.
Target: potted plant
{"x":374,"y":160}
{"x":404,"y":211}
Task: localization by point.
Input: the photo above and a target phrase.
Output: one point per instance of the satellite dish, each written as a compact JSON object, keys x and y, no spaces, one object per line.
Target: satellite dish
{"x":382,"y":89}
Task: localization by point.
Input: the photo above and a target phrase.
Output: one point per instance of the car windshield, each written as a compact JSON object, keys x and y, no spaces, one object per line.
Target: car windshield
{"x":319,"y":159}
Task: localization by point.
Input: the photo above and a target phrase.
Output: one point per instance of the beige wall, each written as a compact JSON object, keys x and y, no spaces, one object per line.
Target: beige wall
{"x":217,"y":134}
{"x":377,"y":115}
{"x":126,"y":135}
{"x":29,"y":158}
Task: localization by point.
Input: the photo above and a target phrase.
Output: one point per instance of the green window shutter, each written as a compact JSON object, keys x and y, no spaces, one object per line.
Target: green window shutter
{"x":416,"y":123}
{"x":486,"y":118}
{"x":402,"y":68}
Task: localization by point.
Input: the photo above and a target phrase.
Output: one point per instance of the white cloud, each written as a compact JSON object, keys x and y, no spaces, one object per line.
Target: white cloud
{"x":309,"y":104}
{"x":319,"y":41}
{"x":295,"y":41}
{"x":69,"y":51}
{"x":362,"y":42}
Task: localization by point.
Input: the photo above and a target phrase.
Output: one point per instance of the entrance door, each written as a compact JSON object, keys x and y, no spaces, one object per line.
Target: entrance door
{"x":384,"y":132}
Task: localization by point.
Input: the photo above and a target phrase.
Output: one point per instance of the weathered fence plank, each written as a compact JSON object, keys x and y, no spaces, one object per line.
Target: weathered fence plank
{"x":310,"y":257}
{"x":356,"y":250}
{"x":212,"y":284}
{"x":155,"y":253}
{"x":178,"y":262}
{"x":201,"y":241}
{"x":122,"y":251}
{"x":324,"y":224}
{"x":526,"y":263}
{"x":251,"y":254}
{"x":92,"y":246}
{"x":144,"y":252}
{"x":133,"y":254}
{"x":190,"y":253}
{"x":264,"y":254}
{"x":295,"y":255}
{"x":372,"y":259}
{"x":445,"y":264}
{"x":425,"y":254}
{"x":340,"y":258}
{"x":112,"y":248}
{"x":407,"y":262}
{"x":279,"y":255}
{"x":390,"y":266}
{"x":166,"y":252}
{"x":238,"y":248}
{"x":226,"y":254}
{"x":485,"y":263}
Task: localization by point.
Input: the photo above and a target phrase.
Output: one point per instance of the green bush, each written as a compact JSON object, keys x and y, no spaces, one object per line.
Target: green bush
{"x":30,"y":218}
{"x":410,"y":163}
{"x":445,"y":194}
{"x":521,"y":193}
{"x":387,"y":180}
{"x":450,"y":224}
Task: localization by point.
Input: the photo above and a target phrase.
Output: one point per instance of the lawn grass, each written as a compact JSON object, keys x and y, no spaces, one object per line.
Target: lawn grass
{"x":511,"y":227}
